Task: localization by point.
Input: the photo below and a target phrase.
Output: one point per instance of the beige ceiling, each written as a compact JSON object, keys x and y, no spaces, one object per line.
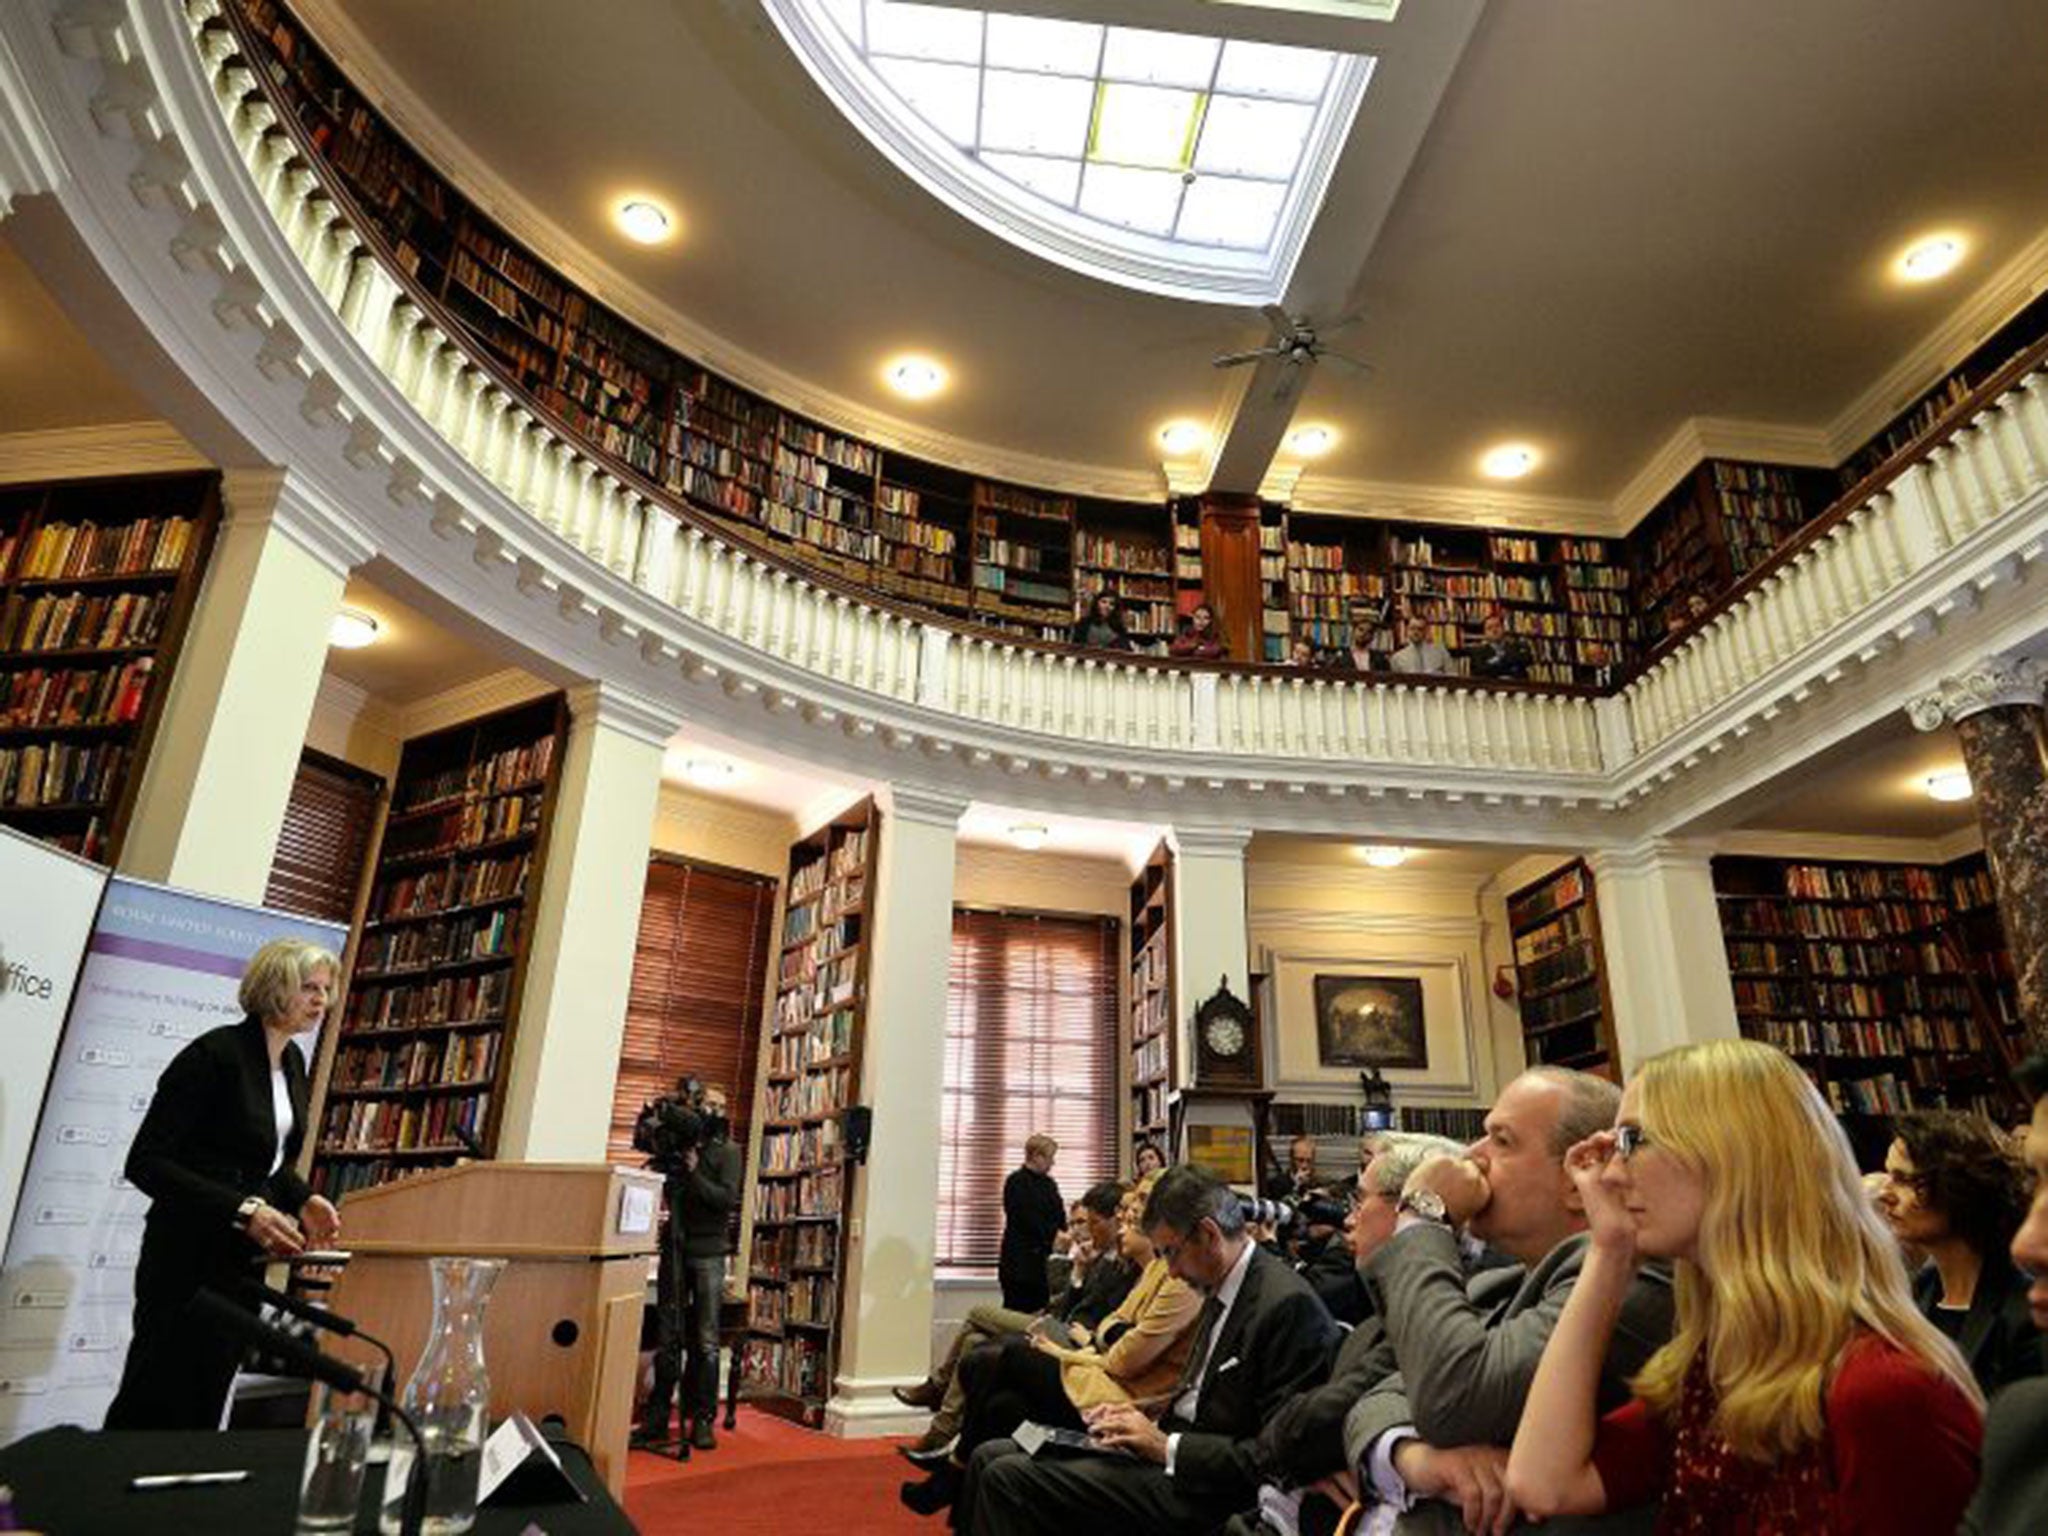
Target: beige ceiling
{"x":1625,"y":213}
{"x":1873,"y":785}
{"x":415,"y":657}
{"x":50,"y":376}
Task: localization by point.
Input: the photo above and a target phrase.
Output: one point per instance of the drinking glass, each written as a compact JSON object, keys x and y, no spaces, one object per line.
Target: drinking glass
{"x":337,"y":1449}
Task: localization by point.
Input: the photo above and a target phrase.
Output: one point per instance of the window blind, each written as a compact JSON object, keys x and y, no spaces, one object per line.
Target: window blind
{"x":699,"y":967}
{"x":325,"y":840}
{"x":1031,"y":1045}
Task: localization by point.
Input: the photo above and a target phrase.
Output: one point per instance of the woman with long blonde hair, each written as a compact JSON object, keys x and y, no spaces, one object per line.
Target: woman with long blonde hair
{"x":1803,"y":1392}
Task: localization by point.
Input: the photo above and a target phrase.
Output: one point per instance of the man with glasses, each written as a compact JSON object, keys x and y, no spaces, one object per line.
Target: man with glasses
{"x":1429,"y":1442}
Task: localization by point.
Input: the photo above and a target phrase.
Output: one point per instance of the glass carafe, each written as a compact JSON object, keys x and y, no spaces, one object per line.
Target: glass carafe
{"x":449,"y":1398}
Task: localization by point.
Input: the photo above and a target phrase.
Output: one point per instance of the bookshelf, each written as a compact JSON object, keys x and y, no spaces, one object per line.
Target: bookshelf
{"x":1130,"y":549}
{"x":98,"y":580}
{"x":1442,"y":576}
{"x":1153,"y":1015}
{"x":1023,"y":561}
{"x":1973,"y":915}
{"x":796,"y":1262}
{"x":433,"y":1000}
{"x":1860,"y":973}
{"x":1561,"y":973}
{"x":1334,"y":570}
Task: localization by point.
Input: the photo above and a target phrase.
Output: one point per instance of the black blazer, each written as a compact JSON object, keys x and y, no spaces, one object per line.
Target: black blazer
{"x":1999,"y":1338}
{"x":205,"y":1146}
{"x":1033,"y":1214}
{"x":1278,"y":1340}
{"x":2012,"y":1495}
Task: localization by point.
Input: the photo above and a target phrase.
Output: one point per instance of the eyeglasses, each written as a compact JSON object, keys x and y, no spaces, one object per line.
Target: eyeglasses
{"x":1629,"y":1140}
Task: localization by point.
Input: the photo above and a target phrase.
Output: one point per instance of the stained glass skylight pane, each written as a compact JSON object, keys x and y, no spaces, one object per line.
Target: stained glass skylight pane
{"x":1043,"y":113}
{"x":1146,"y":200}
{"x":1145,"y":126}
{"x":948,"y":96}
{"x":1219,"y":210}
{"x":1057,"y":180}
{"x":1159,"y":58}
{"x":1267,"y":69}
{"x":1070,"y":137}
{"x":1044,"y":46}
{"x":924,"y":31}
{"x":1253,"y":138}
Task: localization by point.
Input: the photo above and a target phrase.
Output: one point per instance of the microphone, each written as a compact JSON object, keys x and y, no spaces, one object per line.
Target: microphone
{"x":255,"y":1294}
{"x":210,"y":1308}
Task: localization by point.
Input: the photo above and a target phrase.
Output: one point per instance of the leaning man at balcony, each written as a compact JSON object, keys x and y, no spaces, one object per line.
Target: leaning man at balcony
{"x":1420,"y":654}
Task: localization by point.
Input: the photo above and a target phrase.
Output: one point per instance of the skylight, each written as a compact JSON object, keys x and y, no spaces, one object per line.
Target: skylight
{"x":1174,"y":162}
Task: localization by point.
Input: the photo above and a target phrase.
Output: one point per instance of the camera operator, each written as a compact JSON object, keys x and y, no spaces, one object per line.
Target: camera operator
{"x":686,"y":1139}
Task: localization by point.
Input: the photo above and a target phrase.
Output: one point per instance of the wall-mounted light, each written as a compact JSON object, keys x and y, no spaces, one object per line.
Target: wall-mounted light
{"x":352,"y":629}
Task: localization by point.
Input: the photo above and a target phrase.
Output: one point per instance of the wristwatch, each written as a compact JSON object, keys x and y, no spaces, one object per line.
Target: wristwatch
{"x":1426,"y":1203}
{"x":254,"y":1203}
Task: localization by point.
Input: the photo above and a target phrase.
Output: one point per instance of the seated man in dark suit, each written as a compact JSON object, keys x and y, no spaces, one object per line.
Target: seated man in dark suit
{"x":1261,"y":1338}
{"x":2012,"y":1497}
{"x":1429,"y":1443}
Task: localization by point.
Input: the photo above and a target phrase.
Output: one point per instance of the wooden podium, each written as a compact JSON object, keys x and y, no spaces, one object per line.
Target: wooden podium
{"x":562,"y":1329}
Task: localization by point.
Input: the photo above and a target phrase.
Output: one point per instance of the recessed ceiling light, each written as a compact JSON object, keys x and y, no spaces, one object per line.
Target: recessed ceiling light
{"x":1310,"y":441}
{"x":1181,"y":438}
{"x":1381,"y":856}
{"x":643,"y":221}
{"x":1936,"y":256}
{"x":914,"y":378}
{"x":1949,"y":784}
{"x":1510,"y":461}
{"x":710,"y":772}
{"x":352,"y":629}
{"x":1029,"y":836}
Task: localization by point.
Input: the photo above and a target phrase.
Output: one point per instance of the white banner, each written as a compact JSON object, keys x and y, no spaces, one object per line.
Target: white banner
{"x":47,"y":903}
{"x":162,"y":968}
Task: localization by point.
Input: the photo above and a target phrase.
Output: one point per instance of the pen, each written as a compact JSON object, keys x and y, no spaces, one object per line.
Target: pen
{"x":187,"y":1479}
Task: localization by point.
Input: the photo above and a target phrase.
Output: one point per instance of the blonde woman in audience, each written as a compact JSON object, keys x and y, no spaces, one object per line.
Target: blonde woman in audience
{"x":1803,"y":1394}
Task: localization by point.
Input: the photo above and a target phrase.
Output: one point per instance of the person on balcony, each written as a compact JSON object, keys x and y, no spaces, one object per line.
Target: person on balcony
{"x":1199,"y":638}
{"x":1500,"y":654}
{"x":1101,"y":628}
{"x":1421,"y":654}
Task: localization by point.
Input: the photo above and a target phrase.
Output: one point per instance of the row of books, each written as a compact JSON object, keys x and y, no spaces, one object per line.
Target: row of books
{"x":72,"y":551}
{"x":1555,"y":970}
{"x":404,"y":1125}
{"x":475,"y":936}
{"x":816,"y":1193}
{"x":812,"y":1147}
{"x":69,"y":696}
{"x":453,"y":1059}
{"x":60,"y":773}
{"x":810,"y":1092}
{"x":1567,"y":889}
{"x":85,"y":621}
{"x":1562,"y":1007}
{"x":1879,"y":920}
{"x":473,"y":824}
{"x":513,"y":768}
{"x":794,"y":1366}
{"x":813,"y":1299}
{"x":444,"y":1001}
{"x":1863,"y":882}
{"x":451,"y":887}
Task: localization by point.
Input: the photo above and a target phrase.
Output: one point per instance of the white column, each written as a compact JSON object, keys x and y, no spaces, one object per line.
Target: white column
{"x":1211,"y":937}
{"x":220,"y":772}
{"x":579,"y":968}
{"x":1667,"y":970}
{"x":892,"y":1222}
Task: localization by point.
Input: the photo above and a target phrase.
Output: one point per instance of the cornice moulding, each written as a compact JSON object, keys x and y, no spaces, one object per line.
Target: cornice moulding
{"x":465,"y":701}
{"x":1388,"y":500}
{"x":1699,"y":438}
{"x":83,"y":453}
{"x":1772,"y":844}
{"x":1211,"y":842}
{"x":927,"y":806}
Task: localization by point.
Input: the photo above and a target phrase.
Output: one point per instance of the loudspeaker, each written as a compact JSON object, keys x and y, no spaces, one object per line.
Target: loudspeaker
{"x":856,"y":1127}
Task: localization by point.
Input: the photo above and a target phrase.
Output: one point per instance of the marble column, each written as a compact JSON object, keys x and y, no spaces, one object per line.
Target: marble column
{"x":1660,"y":941}
{"x":1996,"y":708}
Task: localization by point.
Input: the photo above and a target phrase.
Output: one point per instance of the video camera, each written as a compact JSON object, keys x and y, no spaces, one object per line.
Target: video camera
{"x":672,"y":1125}
{"x":1317,"y":1210}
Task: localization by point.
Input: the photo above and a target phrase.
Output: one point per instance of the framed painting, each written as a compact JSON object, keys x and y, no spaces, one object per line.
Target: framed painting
{"x":1370,"y":1021}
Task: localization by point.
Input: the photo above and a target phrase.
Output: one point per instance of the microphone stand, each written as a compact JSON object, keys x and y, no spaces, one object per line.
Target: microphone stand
{"x":255,"y":1291}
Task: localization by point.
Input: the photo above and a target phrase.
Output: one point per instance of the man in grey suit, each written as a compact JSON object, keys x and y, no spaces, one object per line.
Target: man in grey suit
{"x":2012,"y":1496}
{"x":1430,"y":1441}
{"x":1261,"y":1338}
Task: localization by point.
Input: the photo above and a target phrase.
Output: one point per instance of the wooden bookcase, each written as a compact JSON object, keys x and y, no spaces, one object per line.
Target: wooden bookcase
{"x":1023,"y":561}
{"x":1561,"y":973}
{"x":1154,"y":1017}
{"x":1129,"y":549}
{"x":1334,"y":568}
{"x":1860,"y":973}
{"x":796,"y":1264}
{"x":98,"y":580}
{"x":1981,"y":943}
{"x":432,"y":1005}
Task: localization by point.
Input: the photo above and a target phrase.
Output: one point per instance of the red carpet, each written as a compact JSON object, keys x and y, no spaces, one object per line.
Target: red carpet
{"x":770,"y":1477}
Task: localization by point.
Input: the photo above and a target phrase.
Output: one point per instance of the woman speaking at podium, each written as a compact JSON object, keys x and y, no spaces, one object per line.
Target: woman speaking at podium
{"x":215,"y":1155}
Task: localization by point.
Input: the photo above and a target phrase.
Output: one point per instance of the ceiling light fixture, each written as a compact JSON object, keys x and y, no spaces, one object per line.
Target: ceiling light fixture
{"x":1949,"y":784}
{"x":646,"y":222}
{"x":1310,"y":441}
{"x":1029,"y":836}
{"x":1382,"y":856}
{"x":1936,"y":256}
{"x":710,"y":772}
{"x":1510,"y":461}
{"x":914,"y":378}
{"x":1181,"y":438}
{"x":352,"y":629}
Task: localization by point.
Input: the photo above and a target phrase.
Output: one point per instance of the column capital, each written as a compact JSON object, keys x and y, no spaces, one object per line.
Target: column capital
{"x":1996,"y":682}
{"x":1210,"y":842}
{"x":1650,"y":856}
{"x":269,"y":497}
{"x":925,"y":806}
{"x":607,"y":704}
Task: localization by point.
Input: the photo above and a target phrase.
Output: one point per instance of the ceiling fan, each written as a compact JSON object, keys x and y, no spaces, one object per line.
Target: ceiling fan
{"x":1297,"y":342}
